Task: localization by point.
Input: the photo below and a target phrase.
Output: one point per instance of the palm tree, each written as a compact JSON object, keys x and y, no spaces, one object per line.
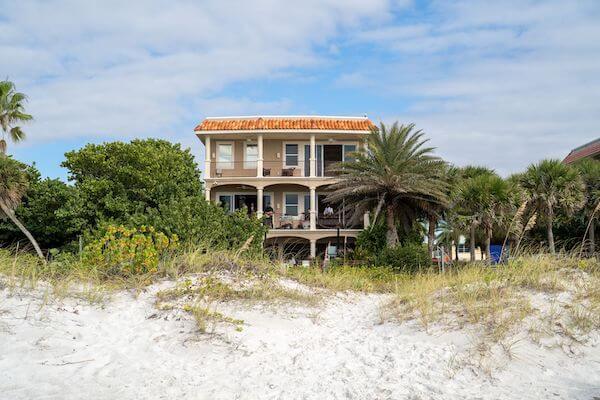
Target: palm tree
{"x":552,"y":187}
{"x":13,"y":185}
{"x":12,"y":111}
{"x":397,"y":171}
{"x":483,"y":198}
{"x":589,"y":170}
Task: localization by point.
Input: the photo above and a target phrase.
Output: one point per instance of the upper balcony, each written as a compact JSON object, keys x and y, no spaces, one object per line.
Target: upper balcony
{"x":275,"y":158}
{"x":279,"y":148}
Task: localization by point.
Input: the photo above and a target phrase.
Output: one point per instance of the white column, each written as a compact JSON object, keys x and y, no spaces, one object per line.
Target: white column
{"x":313,"y":209}
{"x":259,"y":203}
{"x":207,"y":157}
{"x":313,"y":157}
{"x":366,"y":220}
{"x":207,"y":193}
{"x":313,"y":248}
{"x":259,"y":162}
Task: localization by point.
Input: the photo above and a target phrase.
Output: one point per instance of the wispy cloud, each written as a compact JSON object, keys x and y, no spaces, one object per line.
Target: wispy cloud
{"x":134,"y":68}
{"x":495,"y":83}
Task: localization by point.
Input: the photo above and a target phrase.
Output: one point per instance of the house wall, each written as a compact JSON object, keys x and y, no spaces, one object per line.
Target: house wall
{"x":273,"y":156}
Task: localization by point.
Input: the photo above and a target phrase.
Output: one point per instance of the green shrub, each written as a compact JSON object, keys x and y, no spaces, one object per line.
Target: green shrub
{"x":370,"y":241}
{"x":122,"y":251}
{"x":409,"y":257}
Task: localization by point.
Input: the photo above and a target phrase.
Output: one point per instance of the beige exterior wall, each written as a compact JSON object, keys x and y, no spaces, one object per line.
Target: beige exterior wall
{"x":273,"y":156}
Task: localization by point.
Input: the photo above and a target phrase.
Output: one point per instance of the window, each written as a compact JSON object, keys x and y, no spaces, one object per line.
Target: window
{"x":291,"y":204}
{"x":225,"y":202}
{"x":348,"y":150}
{"x":291,"y":155}
{"x":250,"y":155}
{"x":225,"y":156}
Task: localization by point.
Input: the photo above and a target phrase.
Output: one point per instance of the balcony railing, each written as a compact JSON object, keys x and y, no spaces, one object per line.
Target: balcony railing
{"x":276,"y":168}
{"x":302,"y":221}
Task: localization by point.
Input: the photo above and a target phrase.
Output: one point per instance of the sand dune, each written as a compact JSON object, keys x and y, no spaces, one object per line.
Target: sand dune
{"x":341,"y":350}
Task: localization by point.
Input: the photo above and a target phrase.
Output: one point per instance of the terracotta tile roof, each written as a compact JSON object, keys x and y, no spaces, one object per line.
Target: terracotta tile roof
{"x":587,"y":150}
{"x":291,"y":123}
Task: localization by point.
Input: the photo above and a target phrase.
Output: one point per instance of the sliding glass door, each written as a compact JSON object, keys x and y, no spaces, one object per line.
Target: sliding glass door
{"x":319,"y":149}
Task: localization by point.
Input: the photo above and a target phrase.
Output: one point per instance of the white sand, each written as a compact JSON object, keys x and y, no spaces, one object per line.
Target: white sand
{"x":72,"y":350}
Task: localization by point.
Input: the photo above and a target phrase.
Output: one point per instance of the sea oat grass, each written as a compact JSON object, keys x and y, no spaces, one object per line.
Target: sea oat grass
{"x":347,"y":278}
{"x":497,"y":300}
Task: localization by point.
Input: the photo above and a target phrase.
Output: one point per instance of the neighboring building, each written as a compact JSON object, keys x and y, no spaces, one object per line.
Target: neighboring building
{"x":283,"y":163}
{"x":588,"y":150}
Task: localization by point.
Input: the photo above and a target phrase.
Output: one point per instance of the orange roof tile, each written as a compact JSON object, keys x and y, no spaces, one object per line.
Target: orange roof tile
{"x":291,"y":123}
{"x":587,"y":150}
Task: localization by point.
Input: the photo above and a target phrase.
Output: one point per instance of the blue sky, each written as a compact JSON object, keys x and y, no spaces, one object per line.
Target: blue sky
{"x":501,"y":83}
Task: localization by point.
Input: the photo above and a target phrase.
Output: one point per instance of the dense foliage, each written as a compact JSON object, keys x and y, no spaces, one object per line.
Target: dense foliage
{"x":118,"y":180}
{"x":50,"y":210}
{"x":142,"y":183}
{"x":408,"y":257}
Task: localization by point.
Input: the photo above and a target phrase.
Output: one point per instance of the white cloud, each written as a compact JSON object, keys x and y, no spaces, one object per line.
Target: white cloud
{"x":137,"y":68}
{"x":496,"y":83}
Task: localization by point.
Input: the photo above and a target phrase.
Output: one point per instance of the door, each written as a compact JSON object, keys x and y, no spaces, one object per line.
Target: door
{"x":333,"y":154}
{"x":246,"y":200}
{"x":319,"y":151}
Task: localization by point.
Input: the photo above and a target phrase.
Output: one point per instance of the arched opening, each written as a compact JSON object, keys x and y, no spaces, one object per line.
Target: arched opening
{"x":234,"y":197}
{"x":288,"y":249}
{"x":336,"y":246}
{"x":290,"y":204}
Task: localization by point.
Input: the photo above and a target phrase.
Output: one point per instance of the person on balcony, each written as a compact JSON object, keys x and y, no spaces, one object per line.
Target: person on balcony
{"x":269,"y":215}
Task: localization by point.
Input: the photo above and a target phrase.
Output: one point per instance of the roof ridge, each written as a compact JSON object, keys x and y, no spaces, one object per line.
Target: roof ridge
{"x":243,"y":117}
{"x":583,"y":146}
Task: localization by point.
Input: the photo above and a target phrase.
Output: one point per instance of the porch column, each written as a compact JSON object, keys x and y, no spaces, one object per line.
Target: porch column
{"x":313,"y":157}
{"x":259,"y":202}
{"x":259,"y":161}
{"x":207,"y":193}
{"x":313,"y":248}
{"x":207,"y":157}
{"x":313,"y":209}
{"x":366,"y":220}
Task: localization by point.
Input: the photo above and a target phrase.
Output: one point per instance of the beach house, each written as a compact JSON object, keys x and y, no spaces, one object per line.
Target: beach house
{"x":279,"y":168}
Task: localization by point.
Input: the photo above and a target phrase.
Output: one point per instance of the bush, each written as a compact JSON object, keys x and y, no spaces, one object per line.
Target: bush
{"x":49,"y":210}
{"x":198,"y":222}
{"x":409,"y":257}
{"x":117,"y":180}
{"x":124,"y":252}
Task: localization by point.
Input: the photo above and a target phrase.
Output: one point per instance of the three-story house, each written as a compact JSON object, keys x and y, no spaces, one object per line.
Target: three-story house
{"x":279,"y":168}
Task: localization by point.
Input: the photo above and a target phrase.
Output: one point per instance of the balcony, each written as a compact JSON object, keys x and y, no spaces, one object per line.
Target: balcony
{"x":270,"y":169}
{"x":275,"y":158}
{"x":280,"y":221}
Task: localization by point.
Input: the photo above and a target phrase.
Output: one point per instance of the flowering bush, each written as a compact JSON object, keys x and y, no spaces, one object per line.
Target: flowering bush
{"x":128,"y":251}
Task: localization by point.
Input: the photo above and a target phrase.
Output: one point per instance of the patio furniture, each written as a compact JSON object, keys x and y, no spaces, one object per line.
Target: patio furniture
{"x":287,"y":172}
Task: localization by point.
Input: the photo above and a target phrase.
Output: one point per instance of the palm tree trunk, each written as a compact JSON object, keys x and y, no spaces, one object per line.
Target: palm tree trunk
{"x":431,"y":234}
{"x":550,"y":233}
{"x":472,"y":241}
{"x":593,"y":236}
{"x":11,"y":214}
{"x":488,"y":243}
{"x":456,"y":247}
{"x":392,"y":233}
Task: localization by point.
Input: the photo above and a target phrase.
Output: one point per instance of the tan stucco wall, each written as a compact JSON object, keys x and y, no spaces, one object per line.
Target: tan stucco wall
{"x":273,"y":156}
